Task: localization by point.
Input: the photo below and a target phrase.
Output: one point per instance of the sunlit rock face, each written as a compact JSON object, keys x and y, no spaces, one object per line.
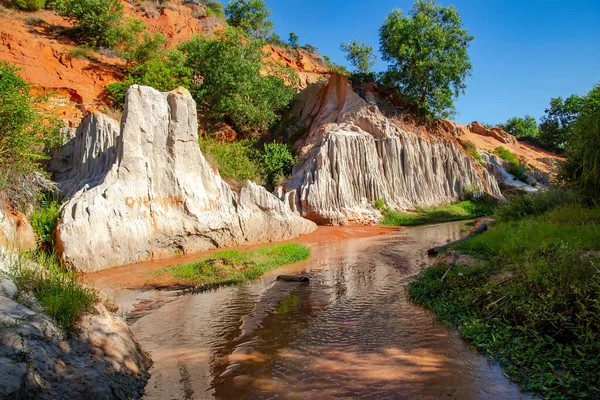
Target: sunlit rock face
{"x":146,"y":191}
{"x":359,"y":147}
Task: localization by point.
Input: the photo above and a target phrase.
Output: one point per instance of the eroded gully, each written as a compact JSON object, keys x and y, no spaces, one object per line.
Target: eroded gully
{"x":350,"y":333}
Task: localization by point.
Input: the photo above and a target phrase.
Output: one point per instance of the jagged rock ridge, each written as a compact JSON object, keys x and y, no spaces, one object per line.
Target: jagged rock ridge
{"x":146,"y":191}
{"x":360,"y":148}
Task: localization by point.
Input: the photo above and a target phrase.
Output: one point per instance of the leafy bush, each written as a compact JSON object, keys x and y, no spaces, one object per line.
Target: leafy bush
{"x":115,"y":94}
{"x":26,"y":137}
{"x":556,"y":126}
{"x":44,"y":221}
{"x":506,"y":155}
{"x":521,"y":206}
{"x":95,"y":21}
{"x":427,"y":50}
{"x":215,"y":9}
{"x":583,"y":150}
{"x":277,"y":161}
{"x":30,"y":5}
{"x":228,"y":83}
{"x":239,"y":160}
{"x":62,"y":296}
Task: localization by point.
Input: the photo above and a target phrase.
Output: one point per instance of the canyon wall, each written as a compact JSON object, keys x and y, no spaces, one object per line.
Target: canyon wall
{"x":358,"y":147}
{"x":145,"y":190}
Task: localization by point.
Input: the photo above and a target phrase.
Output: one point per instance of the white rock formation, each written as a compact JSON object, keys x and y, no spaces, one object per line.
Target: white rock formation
{"x":151,"y":193}
{"x":362,"y":148}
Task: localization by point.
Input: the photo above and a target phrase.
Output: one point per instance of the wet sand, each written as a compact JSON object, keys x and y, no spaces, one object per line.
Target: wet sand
{"x":350,"y":333}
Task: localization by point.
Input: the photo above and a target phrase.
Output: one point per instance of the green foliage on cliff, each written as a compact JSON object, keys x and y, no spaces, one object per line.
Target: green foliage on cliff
{"x":556,"y":125}
{"x":95,"y":21}
{"x":427,"y":50}
{"x":228,"y":84}
{"x":26,"y":136}
{"x":506,"y":155}
{"x":239,"y":160}
{"x":30,"y":5}
{"x":231,"y":266}
{"x":277,"y":162}
{"x":533,"y":303}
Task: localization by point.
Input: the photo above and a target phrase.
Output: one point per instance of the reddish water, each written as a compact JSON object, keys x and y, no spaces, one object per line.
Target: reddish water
{"x":350,"y":333}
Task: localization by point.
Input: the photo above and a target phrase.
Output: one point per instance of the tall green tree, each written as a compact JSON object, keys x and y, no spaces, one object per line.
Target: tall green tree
{"x":293,"y":39}
{"x":228,"y":83}
{"x":427,"y":50}
{"x":521,"y":127}
{"x":251,"y":16}
{"x":583,"y":147}
{"x":360,"y":56}
{"x":556,"y":126}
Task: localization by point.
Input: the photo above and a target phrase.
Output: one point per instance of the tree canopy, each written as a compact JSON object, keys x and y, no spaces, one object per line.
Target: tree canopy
{"x":293,"y":39}
{"x":521,"y":127}
{"x":427,"y":50}
{"x":556,"y":125}
{"x":360,"y":55}
{"x":251,"y":16}
{"x":228,"y":83}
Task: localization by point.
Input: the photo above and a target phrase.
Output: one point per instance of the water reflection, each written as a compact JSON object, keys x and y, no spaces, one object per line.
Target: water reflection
{"x":350,"y":333}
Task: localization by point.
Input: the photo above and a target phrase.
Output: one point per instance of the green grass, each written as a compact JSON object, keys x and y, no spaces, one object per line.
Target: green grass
{"x":534,"y":304}
{"x":61,"y":295}
{"x":506,"y":155}
{"x":44,"y":220}
{"x":233,"y":266}
{"x":429,"y":215}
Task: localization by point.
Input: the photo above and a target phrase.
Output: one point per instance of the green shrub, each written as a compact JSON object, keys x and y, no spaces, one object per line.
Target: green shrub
{"x":26,"y":136}
{"x":506,"y":155}
{"x":583,"y":149}
{"x":61,"y":295}
{"x":239,"y":160}
{"x":115,"y":94}
{"x":215,"y":9}
{"x":44,"y":221}
{"x":471,"y":149}
{"x":30,"y":5}
{"x":228,"y":84}
{"x":277,"y":161}
{"x":95,"y":21}
{"x":521,"y":206}
{"x":84,"y":52}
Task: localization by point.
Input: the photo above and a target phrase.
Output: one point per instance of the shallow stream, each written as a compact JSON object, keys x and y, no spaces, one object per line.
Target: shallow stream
{"x":350,"y":333}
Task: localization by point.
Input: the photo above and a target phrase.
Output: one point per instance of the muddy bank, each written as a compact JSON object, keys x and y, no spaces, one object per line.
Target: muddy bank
{"x":351,"y":332}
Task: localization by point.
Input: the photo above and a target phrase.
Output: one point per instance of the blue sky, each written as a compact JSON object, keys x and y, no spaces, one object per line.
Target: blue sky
{"x":524,"y":52}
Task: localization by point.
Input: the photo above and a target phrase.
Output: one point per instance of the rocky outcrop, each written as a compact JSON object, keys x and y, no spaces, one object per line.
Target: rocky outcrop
{"x":358,"y":147}
{"x":15,"y":230}
{"x":38,"y":361}
{"x":146,"y":191}
{"x":497,"y":133}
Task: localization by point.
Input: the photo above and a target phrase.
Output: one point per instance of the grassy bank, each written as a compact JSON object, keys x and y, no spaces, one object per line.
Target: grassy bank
{"x":534,"y":303}
{"x":232,"y":266}
{"x":429,"y":215}
{"x":60,"y":295}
